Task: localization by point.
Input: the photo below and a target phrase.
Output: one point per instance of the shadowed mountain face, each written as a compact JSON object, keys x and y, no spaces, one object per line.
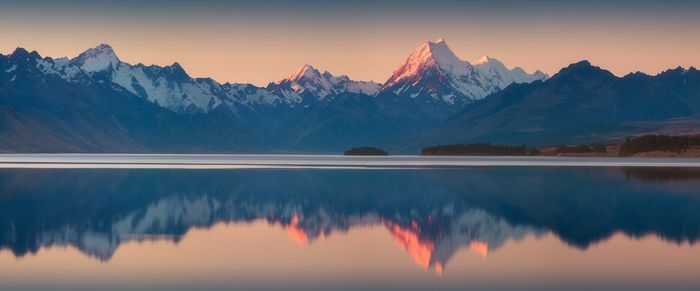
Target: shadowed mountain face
{"x":430,"y":214}
{"x":42,"y":111}
{"x":581,"y":103}
{"x":96,"y":102}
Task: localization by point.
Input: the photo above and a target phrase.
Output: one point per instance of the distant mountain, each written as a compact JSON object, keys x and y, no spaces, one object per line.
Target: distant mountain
{"x":581,"y":103}
{"x":97,"y":103}
{"x":170,"y":86}
{"x":429,"y":87}
{"x":310,"y":85}
{"x":434,"y":73}
{"x":61,"y":105}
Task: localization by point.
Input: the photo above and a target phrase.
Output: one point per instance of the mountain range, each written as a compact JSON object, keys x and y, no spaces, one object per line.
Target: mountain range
{"x":97,"y":103}
{"x":582,"y":103}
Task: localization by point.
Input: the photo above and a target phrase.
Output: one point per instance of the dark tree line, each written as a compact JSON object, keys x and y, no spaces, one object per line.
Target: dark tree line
{"x":583,"y":148}
{"x":479,"y":149}
{"x":648,"y":143}
{"x":366,"y":151}
{"x":657,"y":174}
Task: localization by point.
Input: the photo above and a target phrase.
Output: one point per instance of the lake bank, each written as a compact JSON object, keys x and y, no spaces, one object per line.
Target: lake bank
{"x":205,"y":161}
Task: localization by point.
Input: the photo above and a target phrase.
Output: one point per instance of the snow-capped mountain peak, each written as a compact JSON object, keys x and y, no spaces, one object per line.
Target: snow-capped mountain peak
{"x":427,"y":55}
{"x":482,"y":60}
{"x":441,"y":53}
{"x":437,"y":50}
{"x":432,"y":71}
{"x":343,"y":83}
{"x":493,"y":69}
{"x":305,"y":71}
{"x":308,"y":82}
{"x":308,"y":79}
{"x":97,"y":59}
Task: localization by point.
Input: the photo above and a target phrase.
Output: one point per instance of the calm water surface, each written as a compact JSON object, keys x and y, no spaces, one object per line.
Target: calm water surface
{"x":456,"y":227}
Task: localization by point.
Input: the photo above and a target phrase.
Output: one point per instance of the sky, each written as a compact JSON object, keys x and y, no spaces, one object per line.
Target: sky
{"x":262,"y":41}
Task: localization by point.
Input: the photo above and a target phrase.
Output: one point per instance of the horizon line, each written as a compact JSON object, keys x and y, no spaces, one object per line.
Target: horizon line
{"x":316,"y":67}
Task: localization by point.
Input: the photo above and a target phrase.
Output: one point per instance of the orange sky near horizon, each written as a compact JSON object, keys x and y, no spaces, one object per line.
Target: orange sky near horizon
{"x":260,"y":48}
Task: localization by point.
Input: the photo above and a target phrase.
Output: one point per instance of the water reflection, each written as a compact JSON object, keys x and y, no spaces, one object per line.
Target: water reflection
{"x":430,"y":214}
{"x":663,"y":174}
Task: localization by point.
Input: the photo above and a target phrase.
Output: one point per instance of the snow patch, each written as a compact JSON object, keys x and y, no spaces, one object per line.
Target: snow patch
{"x":11,"y":69}
{"x":308,"y":80}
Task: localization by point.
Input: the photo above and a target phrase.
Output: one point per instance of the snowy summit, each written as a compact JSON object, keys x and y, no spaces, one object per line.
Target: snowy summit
{"x":433,"y":71}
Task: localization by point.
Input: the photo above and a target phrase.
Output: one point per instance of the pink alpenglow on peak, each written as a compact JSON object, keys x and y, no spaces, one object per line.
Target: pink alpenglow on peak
{"x":432,"y":71}
{"x":427,"y":55}
{"x":482,"y":60}
{"x":305,"y":71}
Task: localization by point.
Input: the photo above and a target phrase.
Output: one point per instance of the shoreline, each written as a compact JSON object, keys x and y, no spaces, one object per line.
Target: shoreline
{"x":190,"y":161}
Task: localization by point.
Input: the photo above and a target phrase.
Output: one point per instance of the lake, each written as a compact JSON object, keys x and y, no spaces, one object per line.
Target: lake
{"x":261,"y":222}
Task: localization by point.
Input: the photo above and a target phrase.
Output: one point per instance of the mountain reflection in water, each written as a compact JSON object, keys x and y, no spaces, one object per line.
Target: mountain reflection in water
{"x":429,"y":213}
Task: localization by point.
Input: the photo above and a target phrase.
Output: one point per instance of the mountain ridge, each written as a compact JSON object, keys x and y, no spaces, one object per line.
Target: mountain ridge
{"x":434,"y":70}
{"x":95,"y":102}
{"x":582,"y":101}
